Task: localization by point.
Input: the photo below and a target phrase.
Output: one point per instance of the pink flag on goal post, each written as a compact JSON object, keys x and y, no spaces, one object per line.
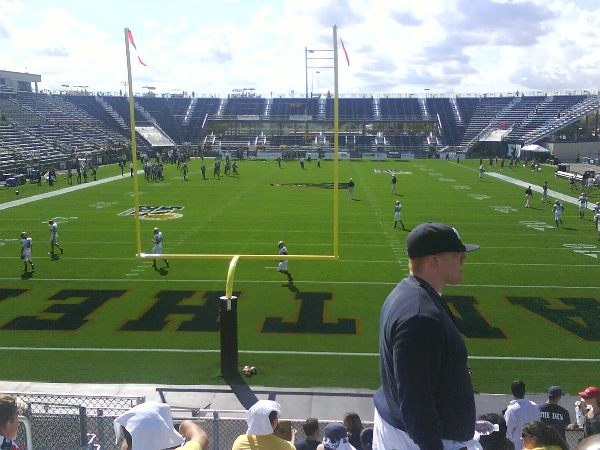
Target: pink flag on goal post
{"x":345,"y":52}
{"x":130,"y":34}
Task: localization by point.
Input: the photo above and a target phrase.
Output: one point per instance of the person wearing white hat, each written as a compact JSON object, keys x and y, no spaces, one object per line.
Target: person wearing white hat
{"x":263,"y":418}
{"x":149,"y":426}
{"x":397,"y":212}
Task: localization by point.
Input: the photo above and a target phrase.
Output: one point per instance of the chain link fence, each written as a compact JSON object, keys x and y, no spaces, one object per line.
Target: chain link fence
{"x":70,"y":422}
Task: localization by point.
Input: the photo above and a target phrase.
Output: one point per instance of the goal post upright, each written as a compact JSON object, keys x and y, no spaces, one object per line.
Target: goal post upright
{"x":136,"y":197}
{"x":228,"y":304}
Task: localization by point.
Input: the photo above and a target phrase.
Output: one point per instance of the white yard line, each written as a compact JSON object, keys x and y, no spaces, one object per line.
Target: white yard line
{"x":271,"y":352}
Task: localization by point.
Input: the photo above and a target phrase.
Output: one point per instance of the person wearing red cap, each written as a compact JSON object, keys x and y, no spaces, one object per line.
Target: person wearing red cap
{"x":591,"y":398}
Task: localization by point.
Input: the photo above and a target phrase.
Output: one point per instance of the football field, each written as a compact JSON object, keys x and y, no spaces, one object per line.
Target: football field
{"x":528,"y":307}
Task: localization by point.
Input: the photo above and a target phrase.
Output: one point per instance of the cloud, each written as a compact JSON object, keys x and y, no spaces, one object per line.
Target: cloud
{"x":338,"y":12}
{"x":60,"y":51}
{"x":405,"y":18}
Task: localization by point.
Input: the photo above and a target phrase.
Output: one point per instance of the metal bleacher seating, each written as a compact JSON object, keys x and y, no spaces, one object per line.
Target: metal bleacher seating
{"x":283,"y":108}
{"x":244,"y":106}
{"x":351,"y":109}
{"x":440,"y":110}
{"x":200,"y":109}
{"x":400,"y":109}
{"x":486,"y":111}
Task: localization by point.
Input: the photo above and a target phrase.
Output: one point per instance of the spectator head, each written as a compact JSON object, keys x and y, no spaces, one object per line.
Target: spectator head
{"x":538,"y":434}
{"x":555,"y":393}
{"x":148,"y":426}
{"x":9,"y":417}
{"x":590,"y":393}
{"x":352,"y":423}
{"x":263,"y":417}
{"x":366,"y":438}
{"x":497,"y":439}
{"x":518,"y":389}
{"x":310,"y":427}
{"x":335,"y":437}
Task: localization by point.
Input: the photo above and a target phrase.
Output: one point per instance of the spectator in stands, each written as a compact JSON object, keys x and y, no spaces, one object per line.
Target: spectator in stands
{"x":496,"y":440}
{"x":553,"y":414}
{"x":353,"y":426}
{"x":149,"y":426}
{"x":311,"y":431}
{"x":263,"y":418}
{"x":335,"y":438}
{"x":591,"y":408}
{"x":538,"y":435}
{"x":366,"y":438}
{"x":591,"y":443}
{"x":9,"y":422}
{"x":519,"y":412}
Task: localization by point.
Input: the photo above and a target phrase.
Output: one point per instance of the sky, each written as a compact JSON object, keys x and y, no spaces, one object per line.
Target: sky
{"x":394,"y":46}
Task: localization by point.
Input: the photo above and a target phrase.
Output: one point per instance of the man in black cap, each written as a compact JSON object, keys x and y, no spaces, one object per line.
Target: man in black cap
{"x":426,"y":400}
{"x":552,"y":413}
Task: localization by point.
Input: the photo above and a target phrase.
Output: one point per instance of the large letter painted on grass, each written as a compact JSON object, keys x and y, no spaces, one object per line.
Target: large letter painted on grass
{"x":470,"y":322}
{"x":310,"y":318}
{"x":205,"y":317}
{"x":8,"y":293}
{"x":580,"y":317}
{"x":73,"y":315}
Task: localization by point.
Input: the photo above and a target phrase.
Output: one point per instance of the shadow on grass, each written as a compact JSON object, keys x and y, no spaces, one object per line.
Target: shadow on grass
{"x":26,"y":275}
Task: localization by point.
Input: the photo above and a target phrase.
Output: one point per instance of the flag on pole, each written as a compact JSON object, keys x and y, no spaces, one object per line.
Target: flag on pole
{"x":345,"y":52}
{"x":130,"y":34}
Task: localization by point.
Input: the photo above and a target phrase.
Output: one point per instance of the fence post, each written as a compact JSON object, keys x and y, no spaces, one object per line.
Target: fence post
{"x":216,"y":430}
{"x":82,"y":426}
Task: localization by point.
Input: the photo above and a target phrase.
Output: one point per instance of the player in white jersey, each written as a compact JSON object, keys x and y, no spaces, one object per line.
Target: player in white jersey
{"x":283,"y":264}
{"x":481,"y":172}
{"x":26,"y":244}
{"x":558,"y":209}
{"x":157,"y":241}
{"x":53,"y":228}
{"x":597,"y":220}
{"x":397,"y":211}
{"x":582,"y":204}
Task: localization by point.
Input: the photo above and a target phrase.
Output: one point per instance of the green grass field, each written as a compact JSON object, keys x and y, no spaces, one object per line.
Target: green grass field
{"x":529,"y":306}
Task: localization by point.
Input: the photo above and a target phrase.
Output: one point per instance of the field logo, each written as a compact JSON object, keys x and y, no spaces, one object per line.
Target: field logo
{"x":155,"y":212}
{"x":585,"y":249}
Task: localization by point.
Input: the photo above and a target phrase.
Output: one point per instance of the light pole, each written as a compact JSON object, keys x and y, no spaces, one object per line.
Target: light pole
{"x":312,"y":79}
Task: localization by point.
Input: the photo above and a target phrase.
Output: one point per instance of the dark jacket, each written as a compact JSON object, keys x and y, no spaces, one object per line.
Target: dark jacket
{"x":426,"y":386}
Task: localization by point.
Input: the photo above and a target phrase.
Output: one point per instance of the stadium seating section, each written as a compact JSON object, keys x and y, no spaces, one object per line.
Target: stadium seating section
{"x":51,"y":129}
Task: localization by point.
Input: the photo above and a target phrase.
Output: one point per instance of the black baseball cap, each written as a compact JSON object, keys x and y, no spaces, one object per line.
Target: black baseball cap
{"x":431,"y":238}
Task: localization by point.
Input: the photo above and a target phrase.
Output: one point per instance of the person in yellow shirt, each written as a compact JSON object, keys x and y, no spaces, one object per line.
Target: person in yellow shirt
{"x":263,"y":418}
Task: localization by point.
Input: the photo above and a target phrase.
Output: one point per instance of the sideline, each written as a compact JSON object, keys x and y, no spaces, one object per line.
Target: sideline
{"x":563,"y":197}
{"x":65,"y":190}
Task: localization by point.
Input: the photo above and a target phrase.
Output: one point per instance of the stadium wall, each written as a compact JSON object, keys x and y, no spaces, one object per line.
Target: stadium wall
{"x":569,"y":151}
